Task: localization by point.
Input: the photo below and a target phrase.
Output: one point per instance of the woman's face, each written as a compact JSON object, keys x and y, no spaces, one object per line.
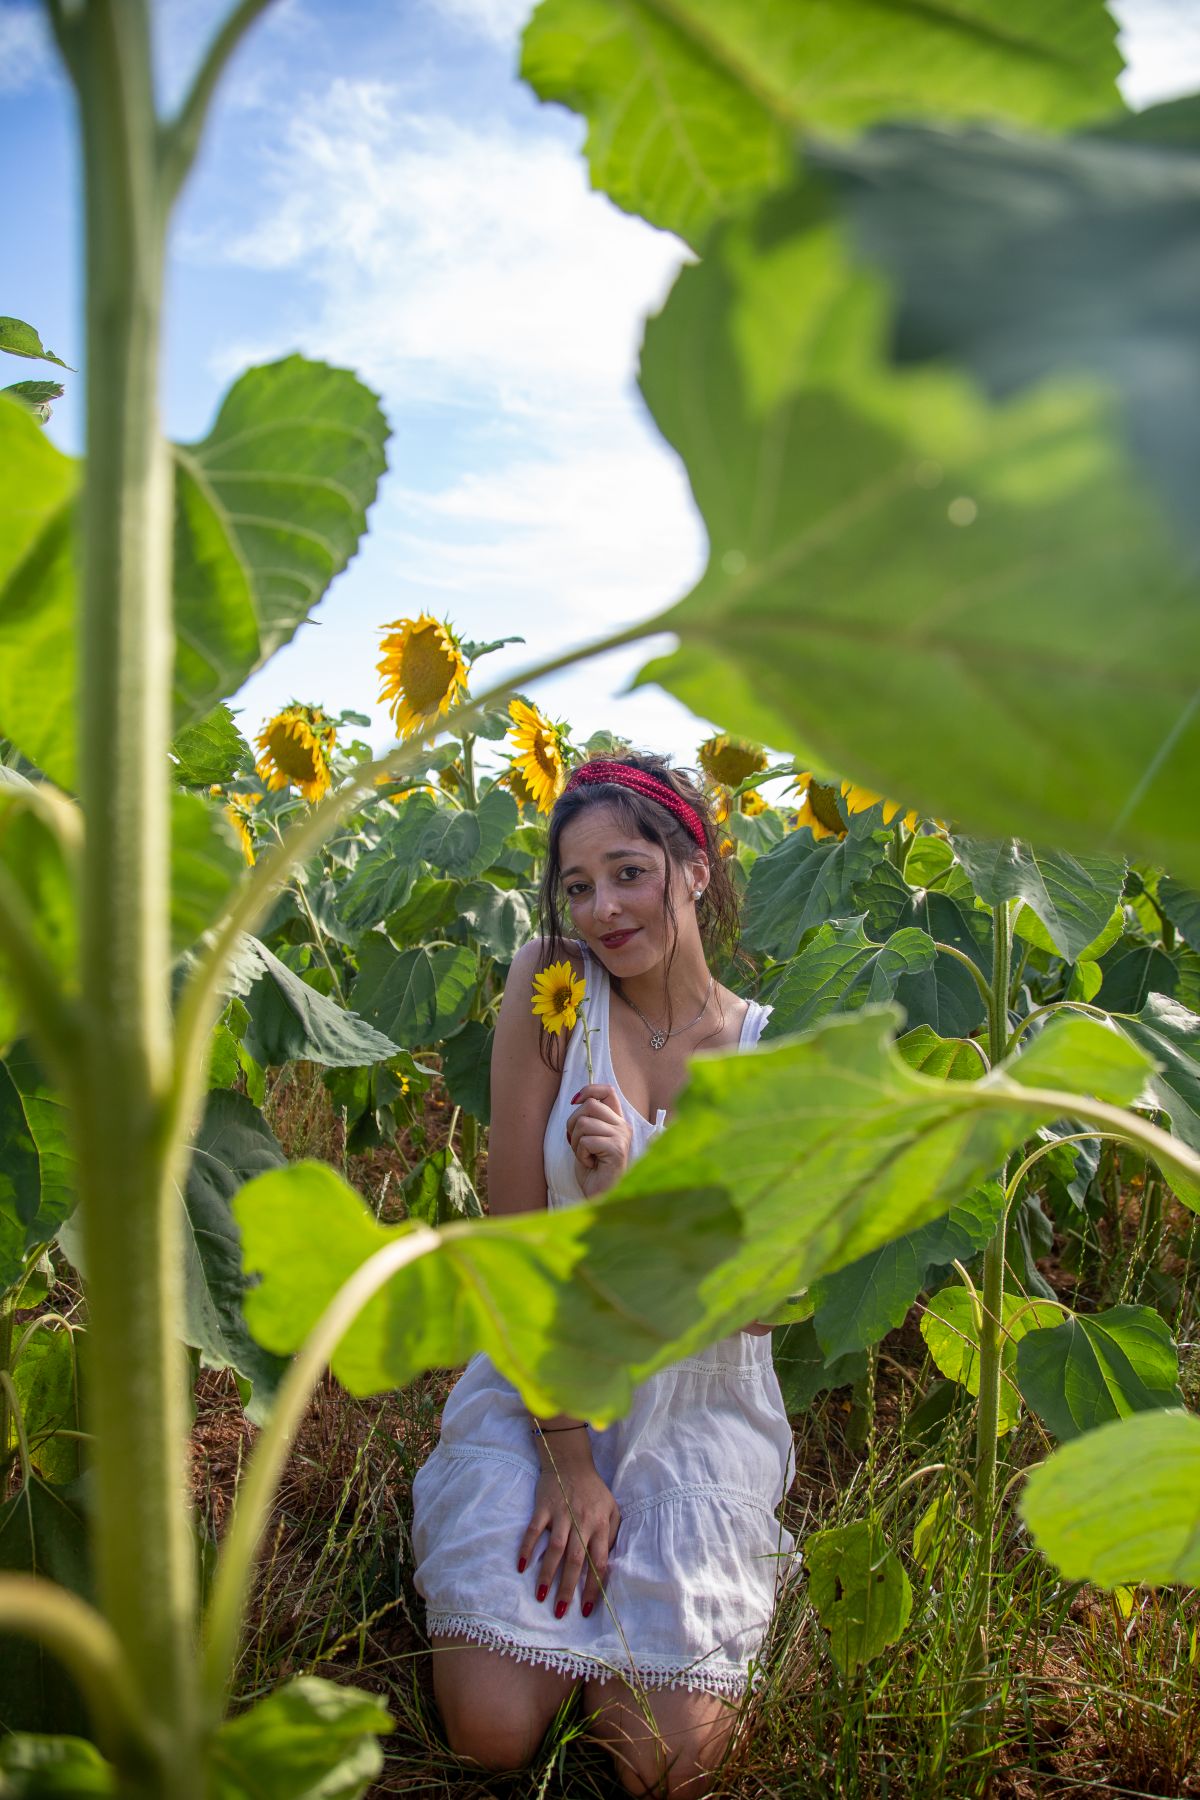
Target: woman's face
{"x":613,"y":880}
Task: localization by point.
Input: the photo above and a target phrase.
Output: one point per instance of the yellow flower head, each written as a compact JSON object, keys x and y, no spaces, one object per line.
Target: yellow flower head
{"x":861,"y":799}
{"x":240,"y":813}
{"x":422,"y":668}
{"x":557,"y":995}
{"x":514,"y":780}
{"x":819,"y":809}
{"x":752,"y":802}
{"x":726,"y":847}
{"x":730,"y":759}
{"x":538,"y":747}
{"x":295,"y":747}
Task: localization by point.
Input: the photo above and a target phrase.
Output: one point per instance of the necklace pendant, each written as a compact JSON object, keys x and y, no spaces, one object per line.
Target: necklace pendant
{"x":657,"y":1039}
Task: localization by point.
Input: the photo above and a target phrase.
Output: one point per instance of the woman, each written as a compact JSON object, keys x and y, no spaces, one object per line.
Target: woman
{"x":640,"y":1560}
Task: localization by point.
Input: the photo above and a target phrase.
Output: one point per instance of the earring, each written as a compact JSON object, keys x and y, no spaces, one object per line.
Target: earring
{"x":697,"y":893}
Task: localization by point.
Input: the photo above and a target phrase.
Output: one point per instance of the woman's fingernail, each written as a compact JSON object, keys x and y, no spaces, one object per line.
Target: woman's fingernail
{"x":560,"y":1609}
{"x":587,"y":1609}
{"x":521,"y":1566}
{"x":542,"y":1592}
{"x":574,"y":1097}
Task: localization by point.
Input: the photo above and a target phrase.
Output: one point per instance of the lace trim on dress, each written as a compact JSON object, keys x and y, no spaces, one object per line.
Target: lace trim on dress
{"x":652,"y":1673}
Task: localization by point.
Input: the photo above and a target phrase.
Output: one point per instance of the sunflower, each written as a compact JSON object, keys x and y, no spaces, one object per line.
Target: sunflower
{"x":517,"y":785}
{"x":423,"y":668}
{"x":726,"y":847}
{"x":539,"y":753}
{"x":240,"y":813}
{"x":557,"y":995}
{"x":752,"y":802}
{"x":819,"y":809}
{"x":730,"y":759}
{"x":295,"y":748}
{"x":861,"y":799}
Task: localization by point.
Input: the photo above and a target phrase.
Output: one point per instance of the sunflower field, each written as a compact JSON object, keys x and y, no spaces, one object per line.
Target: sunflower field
{"x":931,"y":372}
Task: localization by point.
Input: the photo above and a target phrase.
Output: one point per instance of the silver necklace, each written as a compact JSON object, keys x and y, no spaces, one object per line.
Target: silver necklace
{"x":659,"y":1037}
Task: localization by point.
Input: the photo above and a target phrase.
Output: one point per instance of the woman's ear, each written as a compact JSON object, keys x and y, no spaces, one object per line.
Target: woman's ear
{"x":699,"y":875}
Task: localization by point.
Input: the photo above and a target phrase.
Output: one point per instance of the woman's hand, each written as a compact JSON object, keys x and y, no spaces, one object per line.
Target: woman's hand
{"x":575,"y":1507}
{"x":601,"y":1137}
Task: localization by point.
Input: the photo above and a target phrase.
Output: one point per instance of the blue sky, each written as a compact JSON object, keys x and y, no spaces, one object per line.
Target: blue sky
{"x":378,"y":189}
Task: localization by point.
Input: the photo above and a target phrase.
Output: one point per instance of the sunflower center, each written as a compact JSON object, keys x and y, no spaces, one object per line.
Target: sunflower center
{"x":545,"y":754}
{"x":295,"y":757}
{"x":426,"y":670}
{"x":823,"y":801}
{"x":562,"y":998}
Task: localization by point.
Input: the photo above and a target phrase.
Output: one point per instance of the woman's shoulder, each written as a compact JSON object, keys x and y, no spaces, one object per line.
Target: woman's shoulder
{"x":537,"y":953}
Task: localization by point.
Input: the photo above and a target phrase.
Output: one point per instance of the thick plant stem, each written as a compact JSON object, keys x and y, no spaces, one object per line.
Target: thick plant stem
{"x":129,"y":1209}
{"x":990,"y":1346}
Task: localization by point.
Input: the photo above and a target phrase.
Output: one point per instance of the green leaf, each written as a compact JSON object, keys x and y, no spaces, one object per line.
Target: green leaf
{"x":1073,"y":896}
{"x":951,"y":1330}
{"x":803,"y":1369}
{"x":970,"y":547}
{"x":1170,"y":1034}
{"x":290,"y":1021}
{"x":464,"y":843}
{"x":47,"y":1392}
{"x":948,"y":1059}
{"x":692,"y":109}
{"x":1182,"y":907}
{"x":1122,"y":1504}
{"x":20,"y":339}
{"x":41,"y":1533}
{"x":233,"y":1144}
{"x":36,"y":396}
{"x":309,"y":1740}
{"x":840,"y":969}
{"x":862,"y":1303}
{"x":37,"y":595}
{"x":430,"y":904}
{"x":439,"y":1190}
{"x":1131,"y":973}
{"x":859,"y":1590}
{"x":467,"y":1069}
{"x":382,"y":880}
{"x":1099,"y":1054}
{"x":53,"y":1768}
{"x":802,"y":883}
{"x":1092,"y":1368}
{"x":928,"y":862}
{"x":212,"y":750}
{"x":269,"y":507}
{"x":572,"y":1304}
{"x":944,"y":998}
{"x":36,"y":1192}
{"x":501,"y":919}
{"x":418,"y":995}
{"x":205,"y":866}
{"x":1079,"y":262}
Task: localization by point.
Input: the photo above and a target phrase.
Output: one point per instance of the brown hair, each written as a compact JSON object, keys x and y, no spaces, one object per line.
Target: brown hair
{"x":717,"y":909}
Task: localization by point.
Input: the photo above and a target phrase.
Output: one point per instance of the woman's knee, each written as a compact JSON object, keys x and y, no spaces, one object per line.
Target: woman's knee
{"x":499,"y":1745}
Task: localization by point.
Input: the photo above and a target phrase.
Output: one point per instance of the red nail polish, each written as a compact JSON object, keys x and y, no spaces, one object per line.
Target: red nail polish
{"x":521,"y":1566}
{"x":574,"y":1097}
{"x":587,"y":1609}
{"x":542,"y":1592}
{"x":560,"y":1609}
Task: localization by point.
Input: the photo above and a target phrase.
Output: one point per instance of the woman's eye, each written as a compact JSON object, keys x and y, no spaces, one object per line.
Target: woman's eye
{"x":631,"y":869}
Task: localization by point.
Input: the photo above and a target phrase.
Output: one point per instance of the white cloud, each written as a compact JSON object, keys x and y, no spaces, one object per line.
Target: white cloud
{"x":497,"y":20}
{"x":27,"y":56}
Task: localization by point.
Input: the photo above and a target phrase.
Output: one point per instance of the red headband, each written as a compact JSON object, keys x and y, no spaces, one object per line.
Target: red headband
{"x":642,"y":782}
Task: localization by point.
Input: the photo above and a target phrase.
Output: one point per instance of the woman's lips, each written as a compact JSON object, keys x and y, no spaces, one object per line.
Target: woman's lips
{"x":616,"y":938}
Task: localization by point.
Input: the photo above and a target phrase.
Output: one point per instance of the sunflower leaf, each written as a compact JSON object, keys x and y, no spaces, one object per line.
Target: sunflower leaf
{"x":1073,"y":896}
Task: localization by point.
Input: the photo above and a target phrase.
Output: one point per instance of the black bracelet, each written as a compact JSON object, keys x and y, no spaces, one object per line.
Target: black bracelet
{"x":540,"y":1430}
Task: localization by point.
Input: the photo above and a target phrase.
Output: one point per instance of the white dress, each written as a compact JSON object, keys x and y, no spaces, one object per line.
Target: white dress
{"x":697,"y":1467}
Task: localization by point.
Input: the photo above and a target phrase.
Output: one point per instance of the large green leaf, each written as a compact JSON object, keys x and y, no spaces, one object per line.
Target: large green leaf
{"x":862,"y":1303}
{"x":1122,"y":1504}
{"x":309,"y":1740}
{"x":415,"y":996}
{"x":1182,"y":907}
{"x":563,"y":1302}
{"x":33,"y":861}
{"x":944,"y":998}
{"x":233,"y":1144}
{"x":804,"y":1370}
{"x":36,"y":1767}
{"x":467,"y":1069}
{"x":801,"y":883}
{"x":1131,"y":973}
{"x":46,"y":1385}
{"x":953,"y":1059}
{"x":36,"y":1192}
{"x":381,"y":880}
{"x":1073,"y":896}
{"x":859,"y":1589}
{"x":894,"y":564}
{"x":501,"y":919}
{"x":464,"y":843}
{"x":290,"y":1021}
{"x":950,"y":1327}
{"x":205,"y":864}
{"x":41,"y":1533}
{"x":1092,"y":1368}
{"x":692,"y":107}
{"x":20,"y":339}
{"x":840,"y":969}
{"x":439,"y":1190}
{"x":1170,"y":1034}
{"x":269,"y":508}
{"x":1079,"y":259}
{"x":211,"y":750}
